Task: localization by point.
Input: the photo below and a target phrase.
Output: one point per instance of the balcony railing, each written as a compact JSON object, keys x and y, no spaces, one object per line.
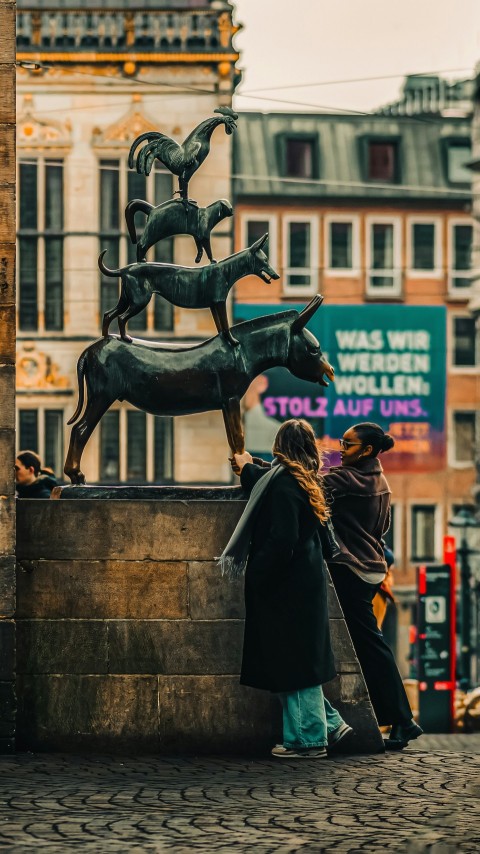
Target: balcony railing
{"x":122,"y":31}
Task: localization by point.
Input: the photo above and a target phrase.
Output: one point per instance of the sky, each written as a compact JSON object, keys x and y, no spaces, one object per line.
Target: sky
{"x":285,"y":44}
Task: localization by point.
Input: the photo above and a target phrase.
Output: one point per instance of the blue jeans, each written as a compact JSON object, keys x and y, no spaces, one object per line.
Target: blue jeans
{"x":308,"y":717}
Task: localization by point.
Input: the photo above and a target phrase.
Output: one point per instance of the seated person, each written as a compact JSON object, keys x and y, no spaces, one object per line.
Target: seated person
{"x":32,"y":480}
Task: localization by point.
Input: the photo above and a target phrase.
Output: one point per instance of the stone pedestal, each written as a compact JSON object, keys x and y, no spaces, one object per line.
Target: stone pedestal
{"x":129,"y":639}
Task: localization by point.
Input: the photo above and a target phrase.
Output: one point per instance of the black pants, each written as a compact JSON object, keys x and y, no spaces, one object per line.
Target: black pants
{"x":384,"y":683}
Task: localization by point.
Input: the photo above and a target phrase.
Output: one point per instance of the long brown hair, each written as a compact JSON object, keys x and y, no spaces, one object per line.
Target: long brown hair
{"x":296,"y":449}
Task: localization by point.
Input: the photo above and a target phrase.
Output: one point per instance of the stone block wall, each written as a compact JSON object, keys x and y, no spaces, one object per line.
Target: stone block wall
{"x":7,"y":375}
{"x":128,"y":638}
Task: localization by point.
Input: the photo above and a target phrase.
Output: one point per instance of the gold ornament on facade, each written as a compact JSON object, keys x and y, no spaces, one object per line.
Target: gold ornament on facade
{"x":39,"y":132}
{"x":36,"y":370}
{"x":129,"y":68}
{"x":224,"y":69}
{"x":124,"y":131}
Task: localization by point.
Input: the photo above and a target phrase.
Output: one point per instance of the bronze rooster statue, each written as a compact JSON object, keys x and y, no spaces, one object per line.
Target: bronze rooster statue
{"x":182,"y":160}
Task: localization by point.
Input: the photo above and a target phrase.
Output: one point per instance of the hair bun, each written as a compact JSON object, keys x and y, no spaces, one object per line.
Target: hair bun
{"x":387,"y":442}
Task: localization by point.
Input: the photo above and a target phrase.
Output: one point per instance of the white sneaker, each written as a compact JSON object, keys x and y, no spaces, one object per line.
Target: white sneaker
{"x":281,"y":752}
{"x":339,"y":733}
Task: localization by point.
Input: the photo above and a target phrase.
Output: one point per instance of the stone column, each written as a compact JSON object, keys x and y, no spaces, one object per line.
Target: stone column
{"x":7,"y":375}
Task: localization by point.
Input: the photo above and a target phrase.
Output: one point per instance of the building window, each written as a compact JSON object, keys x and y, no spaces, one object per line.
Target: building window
{"x":458,"y":155}
{"x":110,"y":447}
{"x":389,"y":537}
{"x":135,"y":447}
{"x":464,"y":437}
{"x":460,"y":256}
{"x":301,"y":256}
{"x":464,"y":342}
{"x":424,"y":246}
{"x":383,"y":161}
{"x":299,"y":158}
{"x":40,"y":245}
{"x":383,"y":254}
{"x":340,"y":245}
{"x":163,"y":449}
{"x":118,"y":185}
{"x":423,"y":532}
{"x":41,"y":430}
{"x":253,"y":226}
{"x":255,"y":229}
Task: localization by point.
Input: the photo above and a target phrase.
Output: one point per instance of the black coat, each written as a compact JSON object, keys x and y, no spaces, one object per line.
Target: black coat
{"x":287,"y":638}
{"x":40,"y":488}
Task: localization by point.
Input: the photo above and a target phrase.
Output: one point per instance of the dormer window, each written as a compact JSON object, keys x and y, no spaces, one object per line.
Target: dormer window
{"x":298,"y":155}
{"x":383,"y":161}
{"x":459,"y":153}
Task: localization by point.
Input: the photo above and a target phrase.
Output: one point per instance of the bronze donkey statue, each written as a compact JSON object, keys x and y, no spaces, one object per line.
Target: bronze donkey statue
{"x":170,"y":379}
{"x":187,"y":287}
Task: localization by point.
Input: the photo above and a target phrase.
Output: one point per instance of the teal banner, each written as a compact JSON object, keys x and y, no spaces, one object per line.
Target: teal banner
{"x":390,"y":367}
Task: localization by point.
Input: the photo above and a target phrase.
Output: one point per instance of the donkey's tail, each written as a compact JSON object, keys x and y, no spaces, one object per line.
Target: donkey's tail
{"x":81,"y":387}
{"x":104,"y":269}
{"x":133,"y":207}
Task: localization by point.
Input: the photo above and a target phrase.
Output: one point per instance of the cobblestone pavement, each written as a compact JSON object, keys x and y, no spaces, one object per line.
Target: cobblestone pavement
{"x":423,"y":799}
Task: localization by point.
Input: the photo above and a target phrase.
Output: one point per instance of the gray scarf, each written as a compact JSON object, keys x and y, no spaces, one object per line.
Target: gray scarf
{"x":233,"y":560}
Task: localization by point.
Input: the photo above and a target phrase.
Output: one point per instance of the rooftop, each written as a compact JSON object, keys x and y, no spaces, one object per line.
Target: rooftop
{"x":340,"y":151}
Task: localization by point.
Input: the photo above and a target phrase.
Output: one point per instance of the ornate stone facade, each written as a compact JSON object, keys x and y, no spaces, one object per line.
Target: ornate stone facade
{"x":89,"y":82}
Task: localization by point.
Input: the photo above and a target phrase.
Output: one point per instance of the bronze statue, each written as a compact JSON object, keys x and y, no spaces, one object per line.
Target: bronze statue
{"x":187,"y":287}
{"x":181,"y":159}
{"x":170,"y":379}
{"x":173,"y":217}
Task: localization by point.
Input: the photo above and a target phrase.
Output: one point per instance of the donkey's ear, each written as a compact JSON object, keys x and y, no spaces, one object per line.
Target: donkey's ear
{"x":307,"y":313}
{"x":259,"y":244}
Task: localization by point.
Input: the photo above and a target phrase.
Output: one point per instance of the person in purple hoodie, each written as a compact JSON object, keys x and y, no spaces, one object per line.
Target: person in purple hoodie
{"x":360,"y":513}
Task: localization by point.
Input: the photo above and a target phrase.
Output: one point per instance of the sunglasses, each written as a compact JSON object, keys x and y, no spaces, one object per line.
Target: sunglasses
{"x":345,"y":444}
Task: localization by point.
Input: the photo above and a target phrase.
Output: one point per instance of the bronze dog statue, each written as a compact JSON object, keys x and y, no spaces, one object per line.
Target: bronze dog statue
{"x":172,"y":379}
{"x":174,"y":217}
{"x":187,"y":287}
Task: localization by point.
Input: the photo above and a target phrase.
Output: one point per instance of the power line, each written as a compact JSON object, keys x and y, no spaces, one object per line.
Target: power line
{"x":185,"y":89}
{"x":354,"y":80}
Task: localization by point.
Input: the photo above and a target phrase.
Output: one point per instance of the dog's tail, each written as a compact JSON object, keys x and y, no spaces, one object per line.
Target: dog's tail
{"x":81,"y":387}
{"x":133,"y":207}
{"x":104,"y":269}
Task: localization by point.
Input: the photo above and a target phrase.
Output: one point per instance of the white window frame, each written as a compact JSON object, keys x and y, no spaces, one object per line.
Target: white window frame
{"x":458,"y":293}
{"x":396,"y":290}
{"x":452,"y":461}
{"x":438,"y":528}
{"x":437,"y":271}
{"x":452,"y":367}
{"x":397,"y":534}
{"x":257,"y":216}
{"x":121,"y":156}
{"x":312,"y":271}
{"x":354,"y":270}
{"x":40,"y":160}
{"x":123,"y":445}
{"x":41,"y":408}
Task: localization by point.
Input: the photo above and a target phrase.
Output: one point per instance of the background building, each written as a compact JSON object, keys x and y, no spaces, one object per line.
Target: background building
{"x":90,"y":80}
{"x":374,"y":212}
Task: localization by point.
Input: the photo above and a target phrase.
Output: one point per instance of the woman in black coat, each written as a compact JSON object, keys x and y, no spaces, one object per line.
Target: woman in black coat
{"x":287,"y":647}
{"x":360,"y":508}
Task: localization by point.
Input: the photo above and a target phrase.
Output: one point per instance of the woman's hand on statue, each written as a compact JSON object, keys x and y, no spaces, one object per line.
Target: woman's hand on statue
{"x":239,"y":460}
